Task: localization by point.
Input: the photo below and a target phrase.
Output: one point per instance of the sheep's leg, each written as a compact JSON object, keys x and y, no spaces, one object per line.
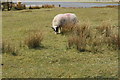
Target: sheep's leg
{"x":59,"y":30}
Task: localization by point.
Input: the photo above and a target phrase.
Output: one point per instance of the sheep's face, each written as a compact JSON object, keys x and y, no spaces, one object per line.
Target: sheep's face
{"x":55,"y":28}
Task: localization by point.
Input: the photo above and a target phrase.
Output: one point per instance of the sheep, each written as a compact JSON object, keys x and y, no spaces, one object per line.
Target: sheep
{"x":62,"y":20}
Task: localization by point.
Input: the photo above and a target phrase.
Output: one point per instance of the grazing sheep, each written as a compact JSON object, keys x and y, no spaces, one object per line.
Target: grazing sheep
{"x":62,"y":20}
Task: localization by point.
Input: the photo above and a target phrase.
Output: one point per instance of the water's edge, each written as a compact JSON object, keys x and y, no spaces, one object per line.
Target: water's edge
{"x":67,"y":4}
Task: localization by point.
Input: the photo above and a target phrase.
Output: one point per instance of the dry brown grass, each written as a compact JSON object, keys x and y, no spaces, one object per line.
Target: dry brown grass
{"x":109,"y":33}
{"x":19,"y":6}
{"x":8,"y":47}
{"x":72,"y":41}
{"x":77,"y":42}
{"x":112,"y":6}
{"x":109,"y":6}
{"x":85,"y":38}
{"x":82,"y":29}
{"x":68,"y":28}
{"x":105,"y":28}
{"x":34,"y":39}
{"x":80,"y":36}
{"x":34,"y":7}
{"x":48,"y":6}
{"x":115,"y":40}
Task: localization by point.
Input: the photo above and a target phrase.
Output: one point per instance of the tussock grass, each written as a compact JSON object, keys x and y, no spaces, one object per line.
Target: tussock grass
{"x":34,"y":39}
{"x":82,"y":29}
{"x":109,"y":33}
{"x":8,"y":47}
{"x":85,"y":38}
{"x":68,"y":28}
{"x":80,"y":35}
{"x":115,"y":40}
{"x":105,"y":28}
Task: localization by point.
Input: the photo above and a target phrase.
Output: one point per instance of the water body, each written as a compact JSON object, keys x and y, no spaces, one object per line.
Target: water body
{"x":67,"y":4}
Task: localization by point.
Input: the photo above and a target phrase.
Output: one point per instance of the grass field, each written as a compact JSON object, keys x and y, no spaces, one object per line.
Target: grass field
{"x":54,"y":59}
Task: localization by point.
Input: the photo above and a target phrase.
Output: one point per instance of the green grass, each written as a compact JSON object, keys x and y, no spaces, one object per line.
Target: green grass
{"x":55,"y":60}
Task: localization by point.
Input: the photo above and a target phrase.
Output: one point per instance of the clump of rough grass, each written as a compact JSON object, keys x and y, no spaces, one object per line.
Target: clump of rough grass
{"x":8,"y":47}
{"x":109,"y":33}
{"x":105,"y":28}
{"x":115,"y":40}
{"x":34,"y":39}
{"x":68,"y":28}
{"x":85,"y":38}
{"x":80,"y":37}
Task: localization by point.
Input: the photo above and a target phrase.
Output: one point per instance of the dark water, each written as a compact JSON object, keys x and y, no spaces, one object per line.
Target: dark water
{"x":68,"y":4}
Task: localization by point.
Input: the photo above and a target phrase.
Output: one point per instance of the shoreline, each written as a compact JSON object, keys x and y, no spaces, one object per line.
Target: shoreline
{"x":63,"y":1}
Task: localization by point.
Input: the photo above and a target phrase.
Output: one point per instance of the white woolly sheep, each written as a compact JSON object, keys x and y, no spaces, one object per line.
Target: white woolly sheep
{"x":61,"y":20}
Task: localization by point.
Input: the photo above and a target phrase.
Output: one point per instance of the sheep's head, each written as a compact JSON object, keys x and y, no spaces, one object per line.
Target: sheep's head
{"x":55,"y":28}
